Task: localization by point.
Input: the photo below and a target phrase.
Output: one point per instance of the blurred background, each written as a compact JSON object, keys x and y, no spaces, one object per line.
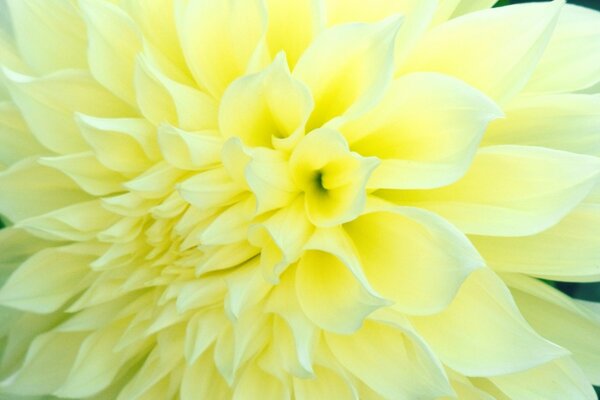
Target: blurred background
{"x":586,"y":3}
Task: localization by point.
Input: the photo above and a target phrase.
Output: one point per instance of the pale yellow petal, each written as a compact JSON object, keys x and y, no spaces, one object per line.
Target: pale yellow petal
{"x":114,"y":41}
{"x":48,"y":105}
{"x":478,"y":49}
{"x":326,"y":385}
{"x":571,"y":61}
{"x":390,"y":362}
{"x":267,"y":107}
{"x":569,"y":251}
{"x":499,"y":340}
{"x":21,"y":199}
{"x":50,"y":34}
{"x":568,"y":122}
{"x":413,"y":257}
{"x":189,"y":150}
{"x":201,"y":380}
{"x":347,"y":68}
{"x":16,"y":141}
{"x":512,"y":190}
{"x":223,"y":40}
{"x":426,"y":130}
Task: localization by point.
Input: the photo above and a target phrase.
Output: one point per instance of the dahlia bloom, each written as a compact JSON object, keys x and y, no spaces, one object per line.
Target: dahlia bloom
{"x":298,"y":199}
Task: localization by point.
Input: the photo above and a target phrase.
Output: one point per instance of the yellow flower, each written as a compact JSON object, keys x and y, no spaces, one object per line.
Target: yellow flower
{"x":295,"y":199}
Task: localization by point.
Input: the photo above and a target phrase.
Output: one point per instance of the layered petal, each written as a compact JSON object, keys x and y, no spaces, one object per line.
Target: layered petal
{"x":512,"y":190}
{"x":412,"y":257}
{"x":426,"y":131}
{"x":499,"y":341}
{"x":502,"y":70}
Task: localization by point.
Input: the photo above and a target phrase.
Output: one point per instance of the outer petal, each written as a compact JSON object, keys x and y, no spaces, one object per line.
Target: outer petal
{"x":572,"y":60}
{"x":293,"y":25}
{"x":113,"y":43}
{"x":223,"y":40}
{"x":391,"y":361}
{"x":347,"y":68}
{"x":26,"y":182}
{"x":569,"y":122}
{"x":16,"y":141}
{"x":461,"y":47}
{"x":561,"y":319}
{"x":412,"y":257}
{"x":499,"y":341}
{"x":558,"y":380}
{"x":330,"y":295}
{"x":48,"y":105}
{"x":201,"y":380}
{"x":513,"y":190}
{"x":50,"y":34}
{"x":426,"y":130}
{"x":569,"y":251}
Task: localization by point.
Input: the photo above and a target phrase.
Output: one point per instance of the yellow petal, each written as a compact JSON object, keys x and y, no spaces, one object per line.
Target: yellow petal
{"x":124,"y":145}
{"x":457,"y":47}
{"x":512,"y":190}
{"x":499,"y":340}
{"x":566,"y":122}
{"x":330,"y":295}
{"x":48,"y":279}
{"x":113,"y":43}
{"x":347,"y":68}
{"x":560,"y":379}
{"x":201,"y":380}
{"x":327,"y":385}
{"x":255,"y":383}
{"x":16,"y":141}
{"x":223,"y":40}
{"x":189,"y":150}
{"x":87,"y":172}
{"x":48,"y":105}
{"x":292,"y":26}
{"x":561,"y":319}
{"x":50,"y":34}
{"x":570,"y":63}
{"x":267,"y":107}
{"x":413,"y":257}
{"x":21,"y":200}
{"x":426,"y":130}
{"x":390,"y":361}
{"x":569,"y":251}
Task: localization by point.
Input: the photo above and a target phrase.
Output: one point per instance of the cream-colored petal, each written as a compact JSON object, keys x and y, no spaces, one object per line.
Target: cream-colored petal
{"x":326,"y":385}
{"x":87,"y":172}
{"x":47,"y":364}
{"x":461,"y":47}
{"x":50,"y":34}
{"x":189,"y":150}
{"x":213,"y":188}
{"x":569,"y":122}
{"x":499,"y":340}
{"x":202,"y":331}
{"x":413,"y":257}
{"x":48,"y":279}
{"x":78,"y":222}
{"x":266,"y":107}
{"x":330,"y":294}
{"x":162,"y":99}
{"x":558,"y":380}
{"x":281,"y":239}
{"x":48,"y":104}
{"x":417,"y":16}
{"x":293,"y":25}
{"x":426,"y":130}
{"x":223,"y":40}
{"x":16,"y":141}
{"x":21,"y":199}
{"x":255,"y":383}
{"x":569,"y":251}
{"x":114,"y":40}
{"x":201,"y":380}
{"x":124,"y":144}
{"x":347,"y":68}
{"x":571,"y":61}
{"x":390,"y":362}
{"x":512,"y":190}
{"x":559,"y":318}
